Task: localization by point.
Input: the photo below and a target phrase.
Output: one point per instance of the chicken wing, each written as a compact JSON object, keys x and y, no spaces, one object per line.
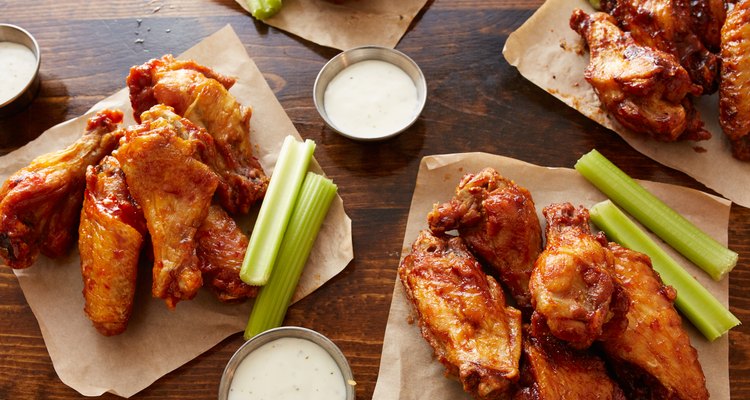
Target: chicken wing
{"x":571,"y":285}
{"x":498,"y":221}
{"x":174,"y":190}
{"x":40,"y":204}
{"x":667,"y":25}
{"x":554,"y":371}
{"x":221,"y":250}
{"x":644,"y":89}
{"x":462,"y":315}
{"x":652,"y":357}
{"x":200,"y":95}
{"x":734,"y":98}
{"x":111,"y":234}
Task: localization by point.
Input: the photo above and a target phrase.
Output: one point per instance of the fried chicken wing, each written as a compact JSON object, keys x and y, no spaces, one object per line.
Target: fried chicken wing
{"x":571,"y":285}
{"x":200,"y":95}
{"x":174,"y":190}
{"x":221,"y":250}
{"x":644,"y":89}
{"x":462,"y":315}
{"x":734,"y":98}
{"x":40,"y":204}
{"x":652,"y":357}
{"x":111,"y":234}
{"x":498,"y":221}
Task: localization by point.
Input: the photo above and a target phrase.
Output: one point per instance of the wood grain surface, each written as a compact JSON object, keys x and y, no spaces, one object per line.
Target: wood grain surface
{"x":476,"y":102}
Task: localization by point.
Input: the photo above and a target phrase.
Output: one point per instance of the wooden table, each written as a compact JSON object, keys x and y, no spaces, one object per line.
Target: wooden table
{"x":477,"y":102}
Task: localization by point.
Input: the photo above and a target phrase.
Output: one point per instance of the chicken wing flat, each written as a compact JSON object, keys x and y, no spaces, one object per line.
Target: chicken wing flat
{"x":174,"y":190}
{"x":734,"y":98}
{"x":652,"y":357}
{"x":498,"y":221}
{"x":667,"y":25}
{"x":571,"y":285}
{"x":221,"y":250}
{"x":200,"y":95}
{"x":111,"y":234}
{"x":40,"y":205}
{"x":462,"y":315}
{"x":552,"y":370}
{"x":644,"y":89}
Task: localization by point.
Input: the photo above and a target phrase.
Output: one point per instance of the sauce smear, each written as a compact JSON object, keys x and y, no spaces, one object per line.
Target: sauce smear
{"x":17,"y":67}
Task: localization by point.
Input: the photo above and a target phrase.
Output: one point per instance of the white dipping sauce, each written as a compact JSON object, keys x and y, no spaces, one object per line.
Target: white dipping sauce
{"x":371,"y":98}
{"x":288,"y":369}
{"x":17,"y":67}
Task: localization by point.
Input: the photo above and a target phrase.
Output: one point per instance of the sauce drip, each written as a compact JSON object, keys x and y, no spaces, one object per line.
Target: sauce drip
{"x":17,"y":67}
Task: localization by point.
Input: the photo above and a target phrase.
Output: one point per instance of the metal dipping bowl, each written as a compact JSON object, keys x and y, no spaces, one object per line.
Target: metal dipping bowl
{"x":357,"y":54}
{"x":285,"y":332}
{"x":15,"y":34}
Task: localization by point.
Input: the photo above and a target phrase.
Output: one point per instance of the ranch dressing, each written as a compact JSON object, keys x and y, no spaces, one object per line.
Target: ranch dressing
{"x":17,"y":67}
{"x":288,"y":369}
{"x":371,"y":98}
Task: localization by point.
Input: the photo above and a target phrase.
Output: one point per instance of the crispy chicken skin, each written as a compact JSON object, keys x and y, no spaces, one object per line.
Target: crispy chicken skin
{"x":644,"y":89}
{"x":652,"y":357}
{"x":498,"y":221}
{"x":40,"y":205}
{"x":174,"y":190}
{"x":200,"y":95}
{"x":734,"y":97}
{"x":221,"y":250}
{"x":667,"y":25}
{"x":111,"y":234}
{"x":552,"y":370}
{"x":571,"y":285}
{"x":462,"y":315}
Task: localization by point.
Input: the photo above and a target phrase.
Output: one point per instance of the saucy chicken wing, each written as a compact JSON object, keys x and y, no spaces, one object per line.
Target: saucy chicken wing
{"x":498,"y":221}
{"x":200,"y":95}
{"x":571,"y":285}
{"x":644,"y":89}
{"x":462,"y":315}
{"x":40,"y":205}
{"x":652,"y":357}
{"x":734,"y":97}
{"x":111,"y":234}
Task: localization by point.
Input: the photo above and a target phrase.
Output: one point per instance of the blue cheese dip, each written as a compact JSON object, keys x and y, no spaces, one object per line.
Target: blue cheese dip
{"x":17,"y":68}
{"x":371,"y":98}
{"x":288,"y":369}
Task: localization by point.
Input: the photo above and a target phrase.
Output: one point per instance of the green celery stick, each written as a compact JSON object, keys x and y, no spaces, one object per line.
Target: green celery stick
{"x":270,"y":306}
{"x":275,"y":211}
{"x":263,"y":9}
{"x":708,"y":254}
{"x":693,"y":300}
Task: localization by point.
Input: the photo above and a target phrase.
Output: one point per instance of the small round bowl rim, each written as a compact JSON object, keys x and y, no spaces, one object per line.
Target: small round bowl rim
{"x":285,"y":332}
{"x":420,"y":83}
{"x":34,"y":79}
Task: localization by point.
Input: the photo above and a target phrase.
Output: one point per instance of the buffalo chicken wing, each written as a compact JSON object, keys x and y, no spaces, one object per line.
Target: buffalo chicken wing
{"x":734,"y":97}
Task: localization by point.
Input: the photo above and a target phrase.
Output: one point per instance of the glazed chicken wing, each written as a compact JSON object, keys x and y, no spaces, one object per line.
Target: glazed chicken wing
{"x":498,"y":221}
{"x":462,"y":315}
{"x":200,"y":95}
{"x":571,"y":285}
{"x":652,"y":357}
{"x":734,"y":97}
{"x":40,"y":204}
{"x":644,"y":89}
{"x":174,"y":190}
{"x":111,"y":234}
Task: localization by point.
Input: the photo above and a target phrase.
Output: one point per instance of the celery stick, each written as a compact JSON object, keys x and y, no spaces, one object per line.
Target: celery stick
{"x":312,"y":206}
{"x":688,"y":239}
{"x":693,"y":300}
{"x":275,"y":211}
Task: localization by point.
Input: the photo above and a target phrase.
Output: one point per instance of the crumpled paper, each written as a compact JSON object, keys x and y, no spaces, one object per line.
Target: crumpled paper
{"x":345,"y":24}
{"x":551,"y":55}
{"x":408,"y":368}
{"x":158,"y":340}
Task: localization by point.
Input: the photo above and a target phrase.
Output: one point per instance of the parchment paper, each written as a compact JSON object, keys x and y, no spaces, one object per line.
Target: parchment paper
{"x":346,"y":23}
{"x":408,"y":369}
{"x":551,"y":55}
{"x":158,"y":340}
